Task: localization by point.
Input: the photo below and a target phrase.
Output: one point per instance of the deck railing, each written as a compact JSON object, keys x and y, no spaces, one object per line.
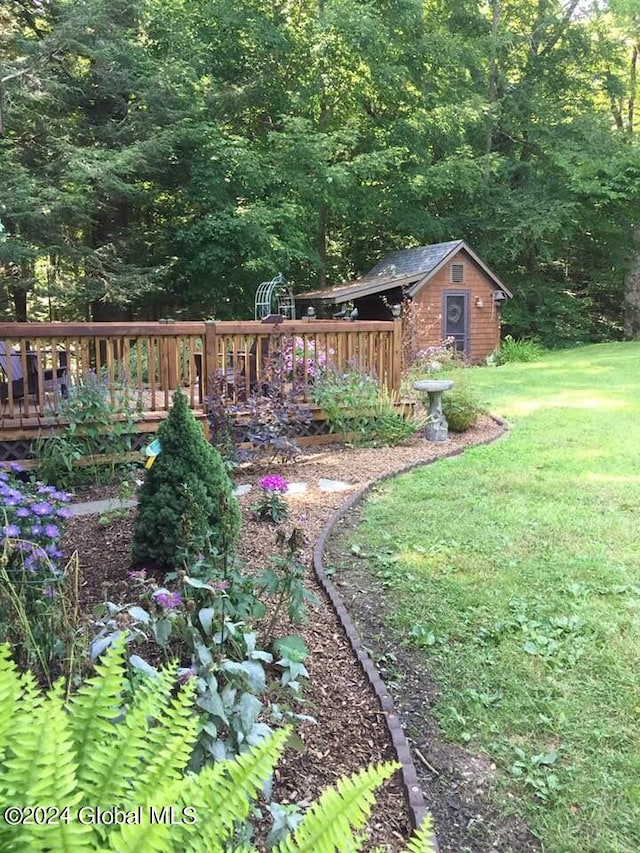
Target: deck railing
{"x":145,"y":362}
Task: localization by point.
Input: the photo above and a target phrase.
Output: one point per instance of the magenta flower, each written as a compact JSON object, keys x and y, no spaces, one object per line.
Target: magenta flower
{"x":140,"y":575}
{"x":274,"y":483}
{"x":168,"y":600}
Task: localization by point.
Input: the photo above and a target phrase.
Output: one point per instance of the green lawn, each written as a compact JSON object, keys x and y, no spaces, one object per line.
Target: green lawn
{"x":515,"y":570}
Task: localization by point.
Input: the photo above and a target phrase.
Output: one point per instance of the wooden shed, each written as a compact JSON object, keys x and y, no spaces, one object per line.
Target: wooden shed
{"x":447,"y":292}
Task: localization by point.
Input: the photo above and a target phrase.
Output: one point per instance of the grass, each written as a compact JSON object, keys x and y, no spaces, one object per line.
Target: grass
{"x":515,"y":572}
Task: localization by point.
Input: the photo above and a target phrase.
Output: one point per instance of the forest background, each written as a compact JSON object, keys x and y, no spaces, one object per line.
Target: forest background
{"x":162,"y":157}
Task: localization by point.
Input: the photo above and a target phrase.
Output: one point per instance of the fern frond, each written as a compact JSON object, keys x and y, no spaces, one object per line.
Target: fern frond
{"x":10,"y":690}
{"x":144,"y":837}
{"x":423,"y":839}
{"x":170,"y":745}
{"x":118,"y":760}
{"x":94,"y":709}
{"x":222,"y":793}
{"x":330,"y":823}
{"x":23,"y":697}
{"x":40,"y":769}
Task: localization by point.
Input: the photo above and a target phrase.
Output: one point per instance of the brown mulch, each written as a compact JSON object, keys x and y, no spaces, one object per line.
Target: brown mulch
{"x":350,"y":732}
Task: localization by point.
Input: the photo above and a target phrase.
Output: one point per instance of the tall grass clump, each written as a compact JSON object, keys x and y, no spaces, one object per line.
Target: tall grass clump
{"x":520,"y":350}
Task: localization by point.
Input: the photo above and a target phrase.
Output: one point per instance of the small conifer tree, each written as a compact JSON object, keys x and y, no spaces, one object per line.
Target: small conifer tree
{"x":186,"y":502}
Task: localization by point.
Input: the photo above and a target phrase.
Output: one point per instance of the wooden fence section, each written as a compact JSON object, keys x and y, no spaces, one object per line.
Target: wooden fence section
{"x":139,"y":365}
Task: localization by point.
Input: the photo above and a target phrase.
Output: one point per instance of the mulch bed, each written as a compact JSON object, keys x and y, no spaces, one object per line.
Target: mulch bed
{"x":350,"y":731}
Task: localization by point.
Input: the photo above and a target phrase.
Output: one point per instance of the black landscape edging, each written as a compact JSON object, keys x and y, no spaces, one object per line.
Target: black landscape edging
{"x":412,"y":788}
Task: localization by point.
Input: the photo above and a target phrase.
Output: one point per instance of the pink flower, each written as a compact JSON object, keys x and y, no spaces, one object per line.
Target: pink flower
{"x":274,"y":483}
{"x":168,"y":600}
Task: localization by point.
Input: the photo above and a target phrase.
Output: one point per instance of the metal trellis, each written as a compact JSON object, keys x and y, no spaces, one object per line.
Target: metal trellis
{"x":275,"y":297}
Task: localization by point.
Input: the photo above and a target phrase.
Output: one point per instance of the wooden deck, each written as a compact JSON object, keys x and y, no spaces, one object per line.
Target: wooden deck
{"x":137,"y":367}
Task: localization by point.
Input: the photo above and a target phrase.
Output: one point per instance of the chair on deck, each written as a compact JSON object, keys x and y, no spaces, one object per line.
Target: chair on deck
{"x":11,"y":366}
{"x":230,"y":377}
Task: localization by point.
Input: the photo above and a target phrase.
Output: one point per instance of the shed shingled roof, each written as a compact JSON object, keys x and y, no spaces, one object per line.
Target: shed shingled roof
{"x":406,"y":268}
{"x":421,"y":259}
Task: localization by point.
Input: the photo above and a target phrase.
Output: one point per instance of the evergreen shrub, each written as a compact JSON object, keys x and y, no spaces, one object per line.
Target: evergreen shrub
{"x":186,"y":505}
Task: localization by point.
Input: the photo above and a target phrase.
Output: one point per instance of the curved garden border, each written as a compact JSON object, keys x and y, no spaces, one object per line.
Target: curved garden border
{"x":410,"y":783}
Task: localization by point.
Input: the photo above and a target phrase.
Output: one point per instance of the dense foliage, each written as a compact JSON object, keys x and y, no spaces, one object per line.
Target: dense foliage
{"x":113,"y":776}
{"x":186,"y":505}
{"x":164,"y":156}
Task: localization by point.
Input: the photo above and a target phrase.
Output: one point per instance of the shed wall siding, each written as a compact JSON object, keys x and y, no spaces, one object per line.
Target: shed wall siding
{"x":484,"y":323}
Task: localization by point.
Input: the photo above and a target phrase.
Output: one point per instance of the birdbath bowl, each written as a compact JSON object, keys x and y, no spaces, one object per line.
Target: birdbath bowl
{"x":437,"y":427}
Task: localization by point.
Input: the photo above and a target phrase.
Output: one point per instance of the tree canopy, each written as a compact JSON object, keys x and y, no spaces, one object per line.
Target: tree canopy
{"x":165,"y":156}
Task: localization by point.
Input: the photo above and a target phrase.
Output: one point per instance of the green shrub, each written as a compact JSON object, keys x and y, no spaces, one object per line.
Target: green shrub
{"x":70,"y":772}
{"x":461,"y":407}
{"x":96,"y":424}
{"x":388,"y":426}
{"x":186,"y":505}
{"x":524,"y":349}
{"x":347,"y":399}
{"x":356,"y":405}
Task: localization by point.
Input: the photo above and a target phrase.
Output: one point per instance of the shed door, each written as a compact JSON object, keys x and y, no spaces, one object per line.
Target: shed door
{"x":455,"y":318}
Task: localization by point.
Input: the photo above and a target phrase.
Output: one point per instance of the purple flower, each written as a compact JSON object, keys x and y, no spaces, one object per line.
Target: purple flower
{"x":49,"y":592}
{"x":16,"y":467}
{"x":60,"y":496}
{"x":64,"y":512}
{"x":12,"y":531}
{"x":53,"y":551}
{"x":45,"y":490}
{"x":168,"y":600}
{"x":219,"y":586}
{"x":36,"y":530}
{"x":23,"y":512}
{"x":51,"y":531}
{"x":4,"y":476}
{"x":42,"y":508}
{"x":139,"y":575}
{"x":274,"y":483}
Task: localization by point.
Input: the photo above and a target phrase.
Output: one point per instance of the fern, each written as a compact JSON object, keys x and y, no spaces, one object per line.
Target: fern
{"x":118,"y":763}
{"x":94,"y":708}
{"x":422,"y":840}
{"x":95,"y":753}
{"x":230,"y":792}
{"x":9,"y":694}
{"x":172,"y":740}
{"x":331,"y":820}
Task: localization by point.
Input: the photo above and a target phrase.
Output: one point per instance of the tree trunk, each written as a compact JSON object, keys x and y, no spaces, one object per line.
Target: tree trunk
{"x":632,"y":293}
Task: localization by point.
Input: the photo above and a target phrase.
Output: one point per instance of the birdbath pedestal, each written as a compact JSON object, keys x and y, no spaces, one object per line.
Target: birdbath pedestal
{"x":437,"y":427}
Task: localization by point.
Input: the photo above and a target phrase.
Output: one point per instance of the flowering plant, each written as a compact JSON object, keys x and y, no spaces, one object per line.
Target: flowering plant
{"x":298,"y":362}
{"x":33,"y":516}
{"x":271,"y":505}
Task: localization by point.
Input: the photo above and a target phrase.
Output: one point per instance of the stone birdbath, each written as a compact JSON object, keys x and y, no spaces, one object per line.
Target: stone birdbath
{"x":437,"y":427}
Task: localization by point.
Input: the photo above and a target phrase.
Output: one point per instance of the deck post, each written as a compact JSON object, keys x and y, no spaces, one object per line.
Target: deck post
{"x":396,"y":357}
{"x":210,"y":357}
